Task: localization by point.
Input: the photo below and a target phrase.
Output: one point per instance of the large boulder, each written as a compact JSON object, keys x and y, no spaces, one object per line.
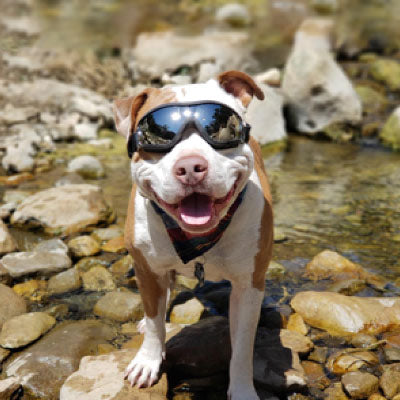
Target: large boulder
{"x":317,"y":91}
{"x":43,"y":367}
{"x":64,"y":210}
{"x":345,"y":315}
{"x":10,"y":304}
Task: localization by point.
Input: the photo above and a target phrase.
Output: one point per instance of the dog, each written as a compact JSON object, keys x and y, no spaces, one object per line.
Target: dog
{"x":200,"y":196}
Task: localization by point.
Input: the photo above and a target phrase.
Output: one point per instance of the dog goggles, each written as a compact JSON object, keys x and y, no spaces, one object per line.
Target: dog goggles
{"x":161,"y":128}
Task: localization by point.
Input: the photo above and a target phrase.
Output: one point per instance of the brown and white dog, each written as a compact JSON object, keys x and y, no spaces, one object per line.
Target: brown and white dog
{"x":243,"y":252}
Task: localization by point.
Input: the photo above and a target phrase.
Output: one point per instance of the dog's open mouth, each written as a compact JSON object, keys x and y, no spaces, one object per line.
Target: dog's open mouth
{"x":198,"y":212}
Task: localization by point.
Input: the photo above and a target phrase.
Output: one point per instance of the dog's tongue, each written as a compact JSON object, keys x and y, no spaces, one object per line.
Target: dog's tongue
{"x":196,"y":209}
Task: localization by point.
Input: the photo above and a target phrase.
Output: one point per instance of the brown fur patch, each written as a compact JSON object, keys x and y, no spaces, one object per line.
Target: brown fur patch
{"x":265,"y":241}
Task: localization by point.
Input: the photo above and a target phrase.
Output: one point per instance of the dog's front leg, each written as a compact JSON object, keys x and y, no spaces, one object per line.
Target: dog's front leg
{"x":244,"y":312}
{"x":144,"y":369}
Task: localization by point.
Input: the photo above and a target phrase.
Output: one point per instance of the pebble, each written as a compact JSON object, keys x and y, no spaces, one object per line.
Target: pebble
{"x":387,"y":72}
{"x":33,"y":262}
{"x":187,"y":313}
{"x":7,"y":242}
{"x":275,"y":271}
{"x":392,"y":354}
{"x":4,"y":353}
{"x":115,"y":245}
{"x":33,"y":289}
{"x":66,"y":281}
{"x":319,"y":354}
{"x":296,"y":341}
{"x":122,"y":269}
{"x":86,"y":131}
{"x":360,"y":385}
{"x":120,"y":306}
{"x":340,"y":363}
{"x":15,"y":180}
{"x":10,"y":304}
{"x":297,"y":324}
{"x":335,"y":392}
{"x":105,"y":234}
{"x":24,"y":329}
{"x":53,"y":245}
{"x":98,"y":279}
{"x":87,"y":263}
{"x":363,"y":340}
{"x":83,"y":246}
{"x":88,"y":167}
{"x":390,"y":383}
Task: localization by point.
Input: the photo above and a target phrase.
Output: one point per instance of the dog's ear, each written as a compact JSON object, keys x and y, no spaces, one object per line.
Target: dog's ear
{"x":125,"y":112}
{"x":240,"y":85}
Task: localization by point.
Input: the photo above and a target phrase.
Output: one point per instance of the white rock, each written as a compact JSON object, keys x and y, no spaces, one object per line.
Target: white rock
{"x":317,"y":91}
{"x":18,"y":158}
{"x":233,"y":14}
{"x":266,"y":117}
{"x":86,"y":166}
{"x":86,"y":131}
{"x":208,"y":70}
{"x":11,"y":115}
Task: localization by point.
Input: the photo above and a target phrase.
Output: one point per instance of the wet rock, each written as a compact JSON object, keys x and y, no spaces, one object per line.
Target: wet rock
{"x":387,"y":72}
{"x":10,"y":115}
{"x":32,"y":262}
{"x":187,"y":313}
{"x":102,"y":377}
{"x":43,"y":367}
{"x":267,"y":112}
{"x":315,"y":375}
{"x":52,"y":245}
{"x":33,"y":289}
{"x":58,"y":311}
{"x":158,"y":52}
{"x":318,"y":92}
{"x":296,"y":324}
{"x":296,"y":341}
{"x":24,"y":329}
{"x":390,"y":383}
{"x":98,"y":279}
{"x":64,"y":282}
{"x":344,"y":315}
{"x":335,"y":392}
{"x":376,"y":396}
{"x":342,"y":362}
{"x":275,"y":271}
{"x":360,"y":385}
{"x":325,"y":6}
{"x":9,"y":388}
{"x":10,"y":304}
{"x":331,"y":265}
{"x":390,"y":133}
{"x":82,"y":207}
{"x":83,"y":246}
{"x":271,"y":77}
{"x":7,"y":242}
{"x":87,"y":263}
{"x":105,"y":234}
{"x":88,"y":167}
{"x":15,"y":180}
{"x":120,"y":306}
{"x":363,"y":340}
{"x":233,"y":14}
{"x":372,"y":100}
{"x":116,"y":245}
{"x":122,"y":269}
{"x":319,"y":354}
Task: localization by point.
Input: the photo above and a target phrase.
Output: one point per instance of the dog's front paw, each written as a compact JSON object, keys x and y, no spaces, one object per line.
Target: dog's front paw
{"x":143,"y":370}
{"x":242,"y":393}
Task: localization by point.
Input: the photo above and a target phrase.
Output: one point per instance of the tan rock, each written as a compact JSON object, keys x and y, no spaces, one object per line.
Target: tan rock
{"x":24,"y":329}
{"x":33,"y":289}
{"x":296,"y":341}
{"x":83,"y":246}
{"x":66,"y":281}
{"x":102,"y":377}
{"x":115,"y":245}
{"x":4,"y":353}
{"x":342,"y":362}
{"x":105,"y":234}
{"x":296,"y":324}
{"x":122,"y":269}
{"x":360,"y":385}
{"x":363,"y":340}
{"x":319,"y":354}
{"x":8,"y":388}
{"x":7,"y":242}
{"x":98,"y":279}
{"x":120,"y":306}
{"x":187,"y":313}
{"x":335,"y":392}
{"x":315,"y":375}
{"x":10,"y":304}
{"x":390,"y":383}
{"x":343,"y":315}
{"x":87,"y":263}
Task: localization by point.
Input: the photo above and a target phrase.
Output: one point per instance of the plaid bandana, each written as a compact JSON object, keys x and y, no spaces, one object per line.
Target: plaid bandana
{"x":188,"y":249}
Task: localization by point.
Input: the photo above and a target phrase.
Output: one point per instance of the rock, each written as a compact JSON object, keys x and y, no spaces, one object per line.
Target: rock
{"x":392,"y":354}
{"x":372,"y":101}
{"x":82,"y":206}
{"x":105,"y":234}
{"x":390,"y":383}
{"x":296,"y":324}
{"x":24,"y":329}
{"x":4,"y":353}
{"x":43,"y":367}
{"x":122,"y":269}
{"x":319,"y":354}
{"x":18,"y":158}
{"x":88,"y":167}
{"x":33,"y":289}
{"x":11,"y":304}
{"x":159,"y":52}
{"x":343,"y":361}
{"x":387,"y":72}
{"x":390,"y":133}
{"x":32,"y":262}
{"x":331,"y":265}
{"x":296,"y":341}
{"x":271,"y":77}
{"x":275,"y":271}
{"x":9,"y":388}
{"x":87,"y":263}
{"x":360,"y":385}
{"x":15,"y":180}
{"x":102,"y":377}
{"x":58,"y":311}
{"x":120,"y":306}
{"x":64,"y":282}
{"x":315,"y":375}
{"x":317,"y":91}
{"x":233,"y":14}
{"x":267,"y":113}
{"x":7,"y":242}
{"x":344,"y":315}
{"x":86,"y":131}
{"x":376,"y":396}
{"x":83,"y":246}
{"x":363,"y":340}
{"x":187,"y":313}
{"x":116,"y":245}
{"x":52,"y":245}
{"x":98,"y":279}
{"x":335,"y":392}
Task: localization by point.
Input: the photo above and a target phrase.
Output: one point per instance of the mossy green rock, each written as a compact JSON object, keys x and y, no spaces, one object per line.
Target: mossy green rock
{"x":386,"y":71}
{"x":390,"y":133}
{"x":372,"y":100}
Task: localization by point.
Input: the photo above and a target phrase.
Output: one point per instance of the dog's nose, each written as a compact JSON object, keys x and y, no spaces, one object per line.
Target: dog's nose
{"x":191,"y":170}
